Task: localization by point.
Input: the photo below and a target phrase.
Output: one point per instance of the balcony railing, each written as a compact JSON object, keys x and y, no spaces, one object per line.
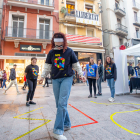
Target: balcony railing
{"x":122,"y":28}
{"x":121,"y":10}
{"x":41,"y":2}
{"x":135,"y":4}
{"x":70,"y":12}
{"x":16,"y":32}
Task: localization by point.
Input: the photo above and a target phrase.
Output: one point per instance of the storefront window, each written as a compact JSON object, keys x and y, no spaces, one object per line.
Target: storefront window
{"x":21,"y":65}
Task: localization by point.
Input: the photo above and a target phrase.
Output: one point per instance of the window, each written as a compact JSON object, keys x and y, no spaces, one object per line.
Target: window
{"x":44,"y":28}
{"x":71,"y":30}
{"x":118,"y":20}
{"x":90,"y":33}
{"x":70,"y":6}
{"x":116,"y":4}
{"x":88,"y":8}
{"x":137,"y":33}
{"x":44,"y":2}
{"x":121,"y":41}
{"x":135,"y":17}
{"x":18,"y":26}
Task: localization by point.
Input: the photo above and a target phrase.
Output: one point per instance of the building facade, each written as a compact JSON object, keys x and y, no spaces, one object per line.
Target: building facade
{"x":27,"y":29}
{"x":80,"y":20}
{"x":115,"y":30}
{"x":133,"y":24}
{"x":1,"y":10}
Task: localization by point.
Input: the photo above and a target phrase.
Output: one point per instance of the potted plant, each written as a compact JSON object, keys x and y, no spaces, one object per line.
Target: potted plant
{"x":63,"y":10}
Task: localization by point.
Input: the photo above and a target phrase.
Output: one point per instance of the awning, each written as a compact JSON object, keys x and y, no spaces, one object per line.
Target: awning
{"x":87,"y":50}
{"x":83,"y":39}
{"x":72,"y":25}
{"x":20,"y":57}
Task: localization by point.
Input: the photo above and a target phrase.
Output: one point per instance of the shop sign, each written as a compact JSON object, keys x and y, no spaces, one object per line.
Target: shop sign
{"x":32,"y":48}
{"x":87,"y":18}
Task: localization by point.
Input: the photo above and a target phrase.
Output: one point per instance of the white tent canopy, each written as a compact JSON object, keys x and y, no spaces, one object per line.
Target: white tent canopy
{"x":120,"y":57}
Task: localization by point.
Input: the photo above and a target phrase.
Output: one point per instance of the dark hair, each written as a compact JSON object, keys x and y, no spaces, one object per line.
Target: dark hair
{"x":4,"y":71}
{"x":59,"y":35}
{"x":33,"y":58}
{"x":106,"y":63}
{"x":89,"y":61}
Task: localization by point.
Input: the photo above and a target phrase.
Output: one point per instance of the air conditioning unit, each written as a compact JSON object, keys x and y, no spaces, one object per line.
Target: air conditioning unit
{"x":127,"y":44}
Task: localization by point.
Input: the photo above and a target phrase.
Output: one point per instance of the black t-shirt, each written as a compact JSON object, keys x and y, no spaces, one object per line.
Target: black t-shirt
{"x":32,"y":71}
{"x":61,"y":62}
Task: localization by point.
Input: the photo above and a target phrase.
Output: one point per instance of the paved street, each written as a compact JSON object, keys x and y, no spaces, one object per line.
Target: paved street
{"x":95,"y":117}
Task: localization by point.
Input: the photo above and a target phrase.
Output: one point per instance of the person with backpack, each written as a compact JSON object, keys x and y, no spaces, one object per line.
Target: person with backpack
{"x":110,"y":74}
{"x":130,"y":71}
{"x":92,"y":75}
{"x":13,"y":79}
{"x":1,"y":74}
{"x":25,"y":83}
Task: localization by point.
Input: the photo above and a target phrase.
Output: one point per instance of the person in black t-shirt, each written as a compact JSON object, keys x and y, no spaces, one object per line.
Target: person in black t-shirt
{"x":31,"y":73}
{"x":60,"y":61}
{"x":110,"y":74}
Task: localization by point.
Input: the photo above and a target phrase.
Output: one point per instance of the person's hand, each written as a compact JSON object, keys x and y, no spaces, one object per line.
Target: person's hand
{"x":115,"y":80}
{"x":41,"y":80}
{"x":83,"y":78}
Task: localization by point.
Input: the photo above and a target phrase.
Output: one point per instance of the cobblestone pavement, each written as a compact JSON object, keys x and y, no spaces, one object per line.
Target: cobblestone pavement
{"x":96,"y":116}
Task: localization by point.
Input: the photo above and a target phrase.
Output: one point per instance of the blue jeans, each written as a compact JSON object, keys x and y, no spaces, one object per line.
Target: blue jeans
{"x":61,"y":89}
{"x":4,"y":83}
{"x":111,"y":84}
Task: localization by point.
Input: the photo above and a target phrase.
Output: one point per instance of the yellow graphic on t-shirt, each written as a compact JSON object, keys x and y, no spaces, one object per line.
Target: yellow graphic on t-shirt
{"x":57,"y":54}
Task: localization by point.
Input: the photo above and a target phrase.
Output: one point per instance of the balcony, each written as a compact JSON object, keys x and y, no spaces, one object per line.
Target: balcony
{"x":135,"y":5}
{"x":83,"y":41}
{"x":28,"y":35}
{"x":46,"y":5}
{"x":120,"y":12}
{"x":121,"y":30}
{"x":137,"y":21}
{"x":70,"y":15}
{"x":82,"y":17}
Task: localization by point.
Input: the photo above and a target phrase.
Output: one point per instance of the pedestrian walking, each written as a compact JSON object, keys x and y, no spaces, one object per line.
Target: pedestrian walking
{"x":1,"y":74}
{"x":46,"y":81}
{"x":4,"y":77}
{"x":99,"y":81}
{"x":60,"y":61}
{"x":25,"y":83}
{"x":110,"y":74}
{"x":13,"y":79}
{"x":130,"y":71}
{"x":31,"y":73}
{"x":92,"y":75}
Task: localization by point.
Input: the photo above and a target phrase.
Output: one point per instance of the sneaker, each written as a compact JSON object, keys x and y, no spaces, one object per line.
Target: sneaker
{"x":95,"y":96}
{"x":18,"y":93}
{"x":67,"y":128}
{"x":111,"y":99}
{"x":27,"y":104}
{"x":33,"y":103}
{"x":90,"y":96}
{"x":47,"y":86}
{"x":99,"y":94}
{"x":59,"y":137}
{"x":4,"y":92}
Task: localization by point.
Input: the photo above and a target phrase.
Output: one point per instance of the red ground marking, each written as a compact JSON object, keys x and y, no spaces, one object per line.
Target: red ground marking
{"x":94,"y":121}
